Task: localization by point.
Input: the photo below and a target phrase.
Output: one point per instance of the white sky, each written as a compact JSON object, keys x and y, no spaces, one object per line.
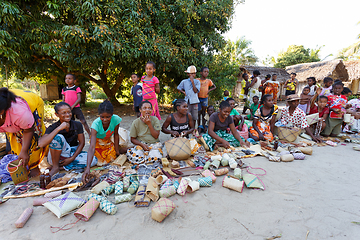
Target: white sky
{"x":273,"y":25}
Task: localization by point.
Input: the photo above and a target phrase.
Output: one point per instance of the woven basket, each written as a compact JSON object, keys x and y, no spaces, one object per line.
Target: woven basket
{"x":178,"y":148}
{"x":162,"y":209}
{"x":288,"y":134}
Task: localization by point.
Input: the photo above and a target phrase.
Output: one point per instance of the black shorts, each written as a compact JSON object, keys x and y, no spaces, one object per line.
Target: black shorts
{"x":289,"y":92}
{"x":76,"y":112}
{"x":137,"y":109}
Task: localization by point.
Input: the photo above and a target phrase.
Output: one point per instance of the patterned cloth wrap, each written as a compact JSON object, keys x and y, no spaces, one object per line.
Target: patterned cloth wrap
{"x":108,"y":190}
{"x":205,"y":182}
{"x":299,"y":156}
{"x":137,"y":155}
{"x":119,"y":187}
{"x":123,"y":198}
{"x":98,"y":198}
{"x":64,"y":204}
{"x":4,"y":174}
{"x":108,"y":207}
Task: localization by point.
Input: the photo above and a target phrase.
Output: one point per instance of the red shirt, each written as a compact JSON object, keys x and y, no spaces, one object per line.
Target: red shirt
{"x":337,"y":102}
{"x":321,"y":114}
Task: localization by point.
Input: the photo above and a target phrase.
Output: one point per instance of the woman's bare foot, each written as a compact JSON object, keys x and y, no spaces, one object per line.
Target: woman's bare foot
{"x":54,"y":170}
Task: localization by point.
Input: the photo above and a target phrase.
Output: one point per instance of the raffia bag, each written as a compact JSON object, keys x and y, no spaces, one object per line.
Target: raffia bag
{"x":288,"y":134}
{"x":162,"y":209}
{"x":178,"y":148}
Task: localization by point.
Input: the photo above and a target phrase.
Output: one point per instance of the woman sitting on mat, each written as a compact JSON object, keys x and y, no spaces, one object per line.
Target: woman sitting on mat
{"x":66,"y":140}
{"x":181,"y":123}
{"x":264,"y":120}
{"x":217,"y":135}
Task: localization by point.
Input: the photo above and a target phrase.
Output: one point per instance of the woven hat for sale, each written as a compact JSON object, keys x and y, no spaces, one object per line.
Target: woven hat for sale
{"x":191,"y":69}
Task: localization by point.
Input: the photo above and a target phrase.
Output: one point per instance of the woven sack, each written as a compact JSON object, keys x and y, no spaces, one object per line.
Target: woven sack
{"x":86,"y":211}
{"x":64,"y":204}
{"x":233,"y":184}
{"x":312,"y":118}
{"x":288,"y":134}
{"x":18,"y":172}
{"x":162,"y":209}
{"x":178,"y":148}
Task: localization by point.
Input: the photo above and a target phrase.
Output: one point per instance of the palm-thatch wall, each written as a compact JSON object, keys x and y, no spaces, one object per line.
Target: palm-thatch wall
{"x":333,"y":68}
{"x":282,"y":75}
{"x":353,"y":69}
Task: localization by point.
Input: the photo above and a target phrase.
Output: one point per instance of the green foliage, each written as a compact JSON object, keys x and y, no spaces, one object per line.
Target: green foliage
{"x":350,"y":53}
{"x":296,"y":54}
{"x":240,"y":52}
{"x":105,"y":41}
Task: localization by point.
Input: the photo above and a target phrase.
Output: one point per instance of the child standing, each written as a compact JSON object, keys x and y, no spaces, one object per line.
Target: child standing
{"x":312,"y":85}
{"x":206,"y":86}
{"x":72,"y":96}
{"x":210,"y":110}
{"x":190,"y":87}
{"x":136,"y":91}
{"x":151,"y":86}
{"x":272,"y":87}
{"x":337,"y":104}
{"x":253,"y":108}
{"x":326,"y":90}
{"x":305,"y":99}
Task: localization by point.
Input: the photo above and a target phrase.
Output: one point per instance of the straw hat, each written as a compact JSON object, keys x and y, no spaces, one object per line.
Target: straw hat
{"x":292,"y":97}
{"x":191,"y":69}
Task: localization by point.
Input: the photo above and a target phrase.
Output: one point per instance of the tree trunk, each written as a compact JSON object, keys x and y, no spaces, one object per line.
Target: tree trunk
{"x":109,"y":93}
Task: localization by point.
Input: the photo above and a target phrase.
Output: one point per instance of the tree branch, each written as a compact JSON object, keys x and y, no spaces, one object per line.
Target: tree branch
{"x":56,"y":62}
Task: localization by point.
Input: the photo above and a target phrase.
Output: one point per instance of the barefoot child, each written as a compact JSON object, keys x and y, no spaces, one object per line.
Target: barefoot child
{"x":151,"y":86}
{"x":318,"y":105}
{"x":206,"y":86}
{"x":102,"y":129}
{"x":181,"y":123}
{"x":66,"y":141}
{"x":72,"y":96}
{"x":305,"y":99}
{"x":254,"y":106}
{"x":136,"y":91}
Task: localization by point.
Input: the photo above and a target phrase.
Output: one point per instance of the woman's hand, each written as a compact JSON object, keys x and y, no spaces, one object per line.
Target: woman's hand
{"x":316,"y":139}
{"x":145,"y":147}
{"x":24,"y":156}
{"x":86,"y":175}
{"x":146,"y":120}
{"x":175,"y":134}
{"x":261,"y":136}
{"x":64,"y":125}
{"x":66,"y":161}
{"x":246,"y":143}
{"x":225,"y":144}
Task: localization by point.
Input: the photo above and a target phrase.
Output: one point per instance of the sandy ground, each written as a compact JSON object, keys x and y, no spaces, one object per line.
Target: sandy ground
{"x":318,"y":196}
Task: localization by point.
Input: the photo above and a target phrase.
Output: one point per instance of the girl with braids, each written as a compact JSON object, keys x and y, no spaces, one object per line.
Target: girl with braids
{"x":21,"y":118}
{"x":264,"y":120}
{"x":66,"y":141}
{"x":102,"y":129}
{"x":180,"y":122}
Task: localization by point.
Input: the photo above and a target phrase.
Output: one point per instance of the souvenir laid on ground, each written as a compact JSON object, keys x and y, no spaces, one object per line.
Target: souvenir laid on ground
{"x":53,"y":194}
{"x":100,"y":186}
{"x":193,"y":186}
{"x":24,"y":217}
{"x":64,"y":204}
{"x":119,"y":187}
{"x":162,"y":209}
{"x":96,"y":197}
{"x":205,"y":182}
{"x":183,"y":186}
{"x":175,"y":164}
{"x":252,"y":181}
{"x":40,"y":201}
{"x":165,"y":162}
{"x":168,"y":192}
{"x":176,"y":184}
{"x":237,"y":173}
{"x":178,"y":148}
{"x":133,"y":187}
{"x":215,"y":163}
{"x":60,"y":181}
{"x":232,"y":163}
{"x":331,"y":143}
{"x":161,"y":179}
{"x":357,"y":147}
{"x":306,"y":150}
{"x":299,"y":156}
{"x":221,"y":171}
{"x":152,"y":189}
{"x":216,"y":157}
{"x":208,"y":173}
{"x":166,"y":184}
{"x":207,"y":165}
{"x":287,"y":158}
{"x":141,"y":200}
{"x":108,"y":190}
{"x":120,"y":160}
{"x":288,"y":134}
{"x":123,"y":198}
{"x":224,"y":161}
{"x":233,"y":184}
{"x":86,"y":211}
{"x":126,"y":183}
{"x":108,"y":207}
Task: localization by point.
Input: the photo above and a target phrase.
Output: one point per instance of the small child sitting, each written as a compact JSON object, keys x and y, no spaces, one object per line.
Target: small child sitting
{"x":318,"y":105}
{"x":254,"y":106}
{"x":305,"y":99}
{"x":238,"y":119}
{"x":226,"y":94}
{"x":210,"y":110}
{"x":326,"y":90}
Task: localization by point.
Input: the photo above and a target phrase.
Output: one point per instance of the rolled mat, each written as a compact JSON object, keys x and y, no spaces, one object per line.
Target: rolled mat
{"x":108,"y":190}
{"x":100,"y":186}
{"x":40,"y":201}
{"x":207,"y":165}
{"x":123,"y":198}
{"x":161,"y":179}
{"x":53,"y":194}
{"x":287,"y":158}
{"x":126,"y":183}
{"x":24,"y":217}
{"x":299,"y":156}
{"x":108,"y":207}
{"x":216,"y":157}
{"x":167,"y":184}
{"x":182,"y":186}
{"x":233,"y":184}
{"x":237,"y":173}
{"x":205,"y":182}
{"x":224,"y":162}
{"x":133,"y":187}
{"x":119,"y":187}
{"x":162,"y":209}
{"x":86,"y":211}
{"x":215,"y":163}
{"x":152,"y":189}
{"x":176,"y":184}
{"x":232,"y":163}
{"x":168,"y":192}
{"x":193,"y":186}
{"x":222,"y":171}
{"x":207,"y":173}
{"x":96,"y":197}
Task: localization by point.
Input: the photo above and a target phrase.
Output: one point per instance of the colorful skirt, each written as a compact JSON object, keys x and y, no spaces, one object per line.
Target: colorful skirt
{"x":155,"y":108}
{"x":264,"y":129}
{"x":224,"y":135}
{"x":104,"y":151}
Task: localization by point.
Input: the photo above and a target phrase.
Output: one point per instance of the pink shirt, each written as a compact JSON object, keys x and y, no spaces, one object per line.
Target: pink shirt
{"x":148,"y":91}
{"x":70,"y":94}
{"x":18,"y":116}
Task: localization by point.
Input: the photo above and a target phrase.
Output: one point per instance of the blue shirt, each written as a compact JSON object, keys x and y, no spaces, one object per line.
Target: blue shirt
{"x":187,"y":86}
{"x":136,"y":91}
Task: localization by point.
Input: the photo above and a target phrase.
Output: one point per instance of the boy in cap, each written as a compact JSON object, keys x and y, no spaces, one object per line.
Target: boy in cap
{"x":191,"y":87}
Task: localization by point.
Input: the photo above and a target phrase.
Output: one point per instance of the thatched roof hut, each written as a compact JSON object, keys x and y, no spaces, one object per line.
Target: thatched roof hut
{"x":282,"y":75}
{"x":353,"y":69}
{"x":333,"y":68}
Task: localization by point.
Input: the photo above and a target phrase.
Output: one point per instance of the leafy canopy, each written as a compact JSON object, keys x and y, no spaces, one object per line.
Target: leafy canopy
{"x":104,"y":41}
{"x":296,"y":54}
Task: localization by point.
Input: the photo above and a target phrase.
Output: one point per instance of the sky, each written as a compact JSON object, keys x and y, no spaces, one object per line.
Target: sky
{"x":273,"y":25}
